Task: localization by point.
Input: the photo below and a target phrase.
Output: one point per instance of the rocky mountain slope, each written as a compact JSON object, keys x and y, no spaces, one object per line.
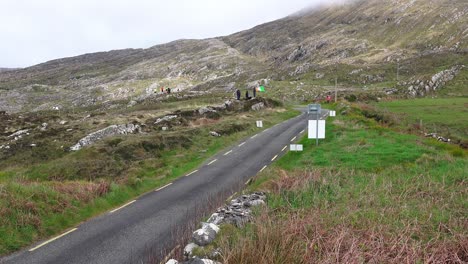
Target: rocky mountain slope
{"x":356,"y":42}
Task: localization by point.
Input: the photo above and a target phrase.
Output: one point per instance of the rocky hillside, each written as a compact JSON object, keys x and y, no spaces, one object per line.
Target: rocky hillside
{"x":355,"y":41}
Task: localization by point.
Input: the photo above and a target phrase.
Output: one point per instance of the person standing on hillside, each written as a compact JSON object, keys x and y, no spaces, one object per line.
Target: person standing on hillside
{"x":238,"y":94}
{"x":254,"y":92}
{"x":247,"y":97}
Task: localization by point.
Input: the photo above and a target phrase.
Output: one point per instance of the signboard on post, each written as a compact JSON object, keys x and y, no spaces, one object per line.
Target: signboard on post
{"x":315,"y":108}
{"x":296,"y":147}
{"x":316,"y":132}
{"x":259,"y":123}
{"x":332,"y":113}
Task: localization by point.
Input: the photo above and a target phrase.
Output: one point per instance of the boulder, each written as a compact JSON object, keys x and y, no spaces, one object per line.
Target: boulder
{"x":205,"y":235}
{"x":201,"y":261}
{"x":258,"y":107}
{"x":215,"y":134}
{"x":188,"y":250}
{"x":215,"y":218}
{"x":205,"y":110}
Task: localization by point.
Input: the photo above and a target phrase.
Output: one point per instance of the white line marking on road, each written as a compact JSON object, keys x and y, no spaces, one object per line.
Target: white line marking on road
{"x":191,"y":173}
{"x":302,"y":131}
{"x":264,"y":167}
{"x":212,"y":162}
{"x":254,"y":136}
{"x":266,"y":130}
{"x":242,"y":144}
{"x":232,"y":196}
{"x":227,"y":153}
{"x":166,"y":259}
{"x":284,"y":148}
{"x":157,"y":190}
{"x":248,"y":182}
{"x":274,"y":158}
{"x":55,"y":238}
{"x":294,"y":138}
{"x":127,"y":204}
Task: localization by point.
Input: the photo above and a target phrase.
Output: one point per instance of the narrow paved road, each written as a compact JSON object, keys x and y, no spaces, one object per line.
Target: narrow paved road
{"x":128,"y":232}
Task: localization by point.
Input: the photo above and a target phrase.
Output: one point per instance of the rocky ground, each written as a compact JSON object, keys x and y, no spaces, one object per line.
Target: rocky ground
{"x":360,"y":44}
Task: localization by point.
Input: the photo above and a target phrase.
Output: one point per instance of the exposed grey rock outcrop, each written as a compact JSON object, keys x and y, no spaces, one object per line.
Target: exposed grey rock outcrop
{"x":205,"y":110}
{"x":18,"y":134}
{"x":258,"y":107}
{"x":104,"y":133}
{"x":437,"y":81}
{"x":166,"y":118}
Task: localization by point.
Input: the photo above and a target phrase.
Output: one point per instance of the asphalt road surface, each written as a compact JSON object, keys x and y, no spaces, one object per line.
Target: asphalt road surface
{"x":127,"y":233}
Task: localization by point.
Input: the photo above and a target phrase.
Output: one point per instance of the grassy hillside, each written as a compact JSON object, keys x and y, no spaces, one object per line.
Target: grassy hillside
{"x":360,"y":43}
{"x":366,"y":194}
{"x":47,"y":189}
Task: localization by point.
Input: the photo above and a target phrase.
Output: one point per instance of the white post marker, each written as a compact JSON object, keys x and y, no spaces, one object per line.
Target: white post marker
{"x":296,"y":147}
{"x":259,"y":123}
{"x":332,"y":113}
{"x":316,"y":132}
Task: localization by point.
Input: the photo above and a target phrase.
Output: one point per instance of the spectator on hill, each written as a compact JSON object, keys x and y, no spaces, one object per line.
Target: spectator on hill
{"x":247,"y":97}
{"x":238,"y":94}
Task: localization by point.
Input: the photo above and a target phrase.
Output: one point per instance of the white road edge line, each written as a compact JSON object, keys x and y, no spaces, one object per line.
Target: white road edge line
{"x":242,"y":144}
{"x":55,"y":238}
{"x":127,"y":204}
{"x":213,"y":161}
{"x":157,"y":190}
{"x":284,"y":148}
{"x":254,"y":136}
{"x":274,"y":158}
{"x":227,"y":153}
{"x":303,"y":131}
{"x":264,"y":167}
{"x":166,"y":259}
{"x":232,"y":196}
{"x":191,"y":173}
{"x":294,"y":138}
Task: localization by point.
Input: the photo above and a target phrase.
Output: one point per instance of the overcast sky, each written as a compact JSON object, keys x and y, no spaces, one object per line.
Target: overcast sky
{"x":35,"y":31}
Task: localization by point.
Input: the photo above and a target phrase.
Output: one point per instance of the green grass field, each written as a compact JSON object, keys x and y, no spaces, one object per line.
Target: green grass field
{"x":368,"y":193}
{"x":446,"y":116}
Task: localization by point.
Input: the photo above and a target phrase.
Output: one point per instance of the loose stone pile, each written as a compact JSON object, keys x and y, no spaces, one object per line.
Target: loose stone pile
{"x":238,"y":212}
{"x":439,"y":138}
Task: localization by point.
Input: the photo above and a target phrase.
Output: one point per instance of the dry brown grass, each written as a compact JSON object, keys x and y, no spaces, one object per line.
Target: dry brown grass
{"x":304,"y":237}
{"x":324,"y":235}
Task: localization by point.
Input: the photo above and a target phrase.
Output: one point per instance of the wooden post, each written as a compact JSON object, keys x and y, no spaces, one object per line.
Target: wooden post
{"x":336,"y":88}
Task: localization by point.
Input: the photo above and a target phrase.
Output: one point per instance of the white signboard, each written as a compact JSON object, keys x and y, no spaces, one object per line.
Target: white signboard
{"x":313,"y":129}
{"x":259,"y":123}
{"x":296,"y":147}
{"x":332,"y":113}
